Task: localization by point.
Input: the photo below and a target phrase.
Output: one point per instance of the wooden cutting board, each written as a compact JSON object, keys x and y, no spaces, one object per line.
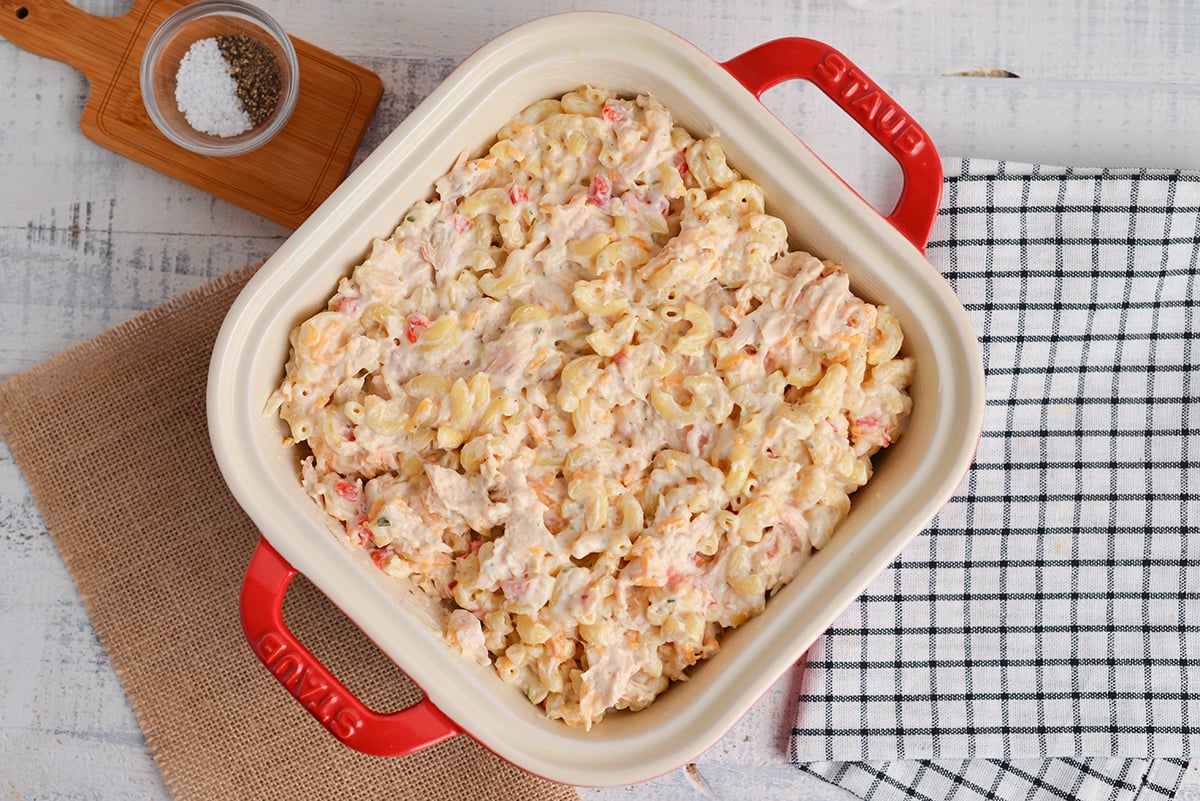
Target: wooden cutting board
{"x":284,"y":180}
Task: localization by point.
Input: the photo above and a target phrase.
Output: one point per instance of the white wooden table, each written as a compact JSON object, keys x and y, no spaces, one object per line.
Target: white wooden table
{"x":89,"y":239}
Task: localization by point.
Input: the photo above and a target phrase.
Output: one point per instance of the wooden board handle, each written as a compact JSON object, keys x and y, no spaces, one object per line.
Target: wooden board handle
{"x":58,"y":30}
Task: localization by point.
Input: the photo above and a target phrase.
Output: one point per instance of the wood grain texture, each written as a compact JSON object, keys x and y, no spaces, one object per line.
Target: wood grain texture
{"x":284,"y":180}
{"x":89,"y":238}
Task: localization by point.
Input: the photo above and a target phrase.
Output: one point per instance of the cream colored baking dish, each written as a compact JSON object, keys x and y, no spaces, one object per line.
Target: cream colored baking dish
{"x":542,"y":59}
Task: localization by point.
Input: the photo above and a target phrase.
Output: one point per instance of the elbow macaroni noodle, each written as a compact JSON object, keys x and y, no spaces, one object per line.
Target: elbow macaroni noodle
{"x":588,"y":399}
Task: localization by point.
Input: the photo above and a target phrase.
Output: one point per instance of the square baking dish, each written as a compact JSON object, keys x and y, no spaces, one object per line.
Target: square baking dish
{"x":883,"y":256}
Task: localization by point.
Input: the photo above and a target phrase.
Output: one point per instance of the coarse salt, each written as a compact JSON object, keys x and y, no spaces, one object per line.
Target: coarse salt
{"x":207,"y":94}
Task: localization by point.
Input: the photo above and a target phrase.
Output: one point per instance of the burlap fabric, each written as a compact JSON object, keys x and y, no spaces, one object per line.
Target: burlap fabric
{"x":112,"y":438}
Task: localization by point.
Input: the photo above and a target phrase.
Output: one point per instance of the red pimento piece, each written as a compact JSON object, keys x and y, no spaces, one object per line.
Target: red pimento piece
{"x":680,"y":162}
{"x":600,"y":192}
{"x":621,"y":358}
{"x":361,"y":534}
{"x":346,"y":305}
{"x":461,"y":224}
{"x":517,"y":194}
{"x":866,"y":426}
{"x":612,"y":113}
{"x":379,"y":556}
{"x":416,"y":323}
{"x":347,"y":490}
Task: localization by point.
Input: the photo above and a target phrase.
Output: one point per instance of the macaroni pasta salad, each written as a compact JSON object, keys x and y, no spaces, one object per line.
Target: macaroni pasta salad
{"x":587,"y":398}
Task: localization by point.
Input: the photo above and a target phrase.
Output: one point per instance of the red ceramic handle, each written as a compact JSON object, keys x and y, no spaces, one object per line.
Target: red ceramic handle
{"x":846,"y":85}
{"x":314,"y":687}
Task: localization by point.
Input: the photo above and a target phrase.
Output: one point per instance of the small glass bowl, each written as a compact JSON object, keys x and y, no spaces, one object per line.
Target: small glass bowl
{"x":201,"y":20}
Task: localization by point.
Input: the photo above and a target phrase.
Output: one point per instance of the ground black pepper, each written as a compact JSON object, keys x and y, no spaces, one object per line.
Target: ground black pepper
{"x":253,"y":67}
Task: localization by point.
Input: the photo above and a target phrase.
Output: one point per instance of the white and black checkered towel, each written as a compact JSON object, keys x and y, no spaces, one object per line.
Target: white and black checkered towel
{"x":1041,"y":640}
